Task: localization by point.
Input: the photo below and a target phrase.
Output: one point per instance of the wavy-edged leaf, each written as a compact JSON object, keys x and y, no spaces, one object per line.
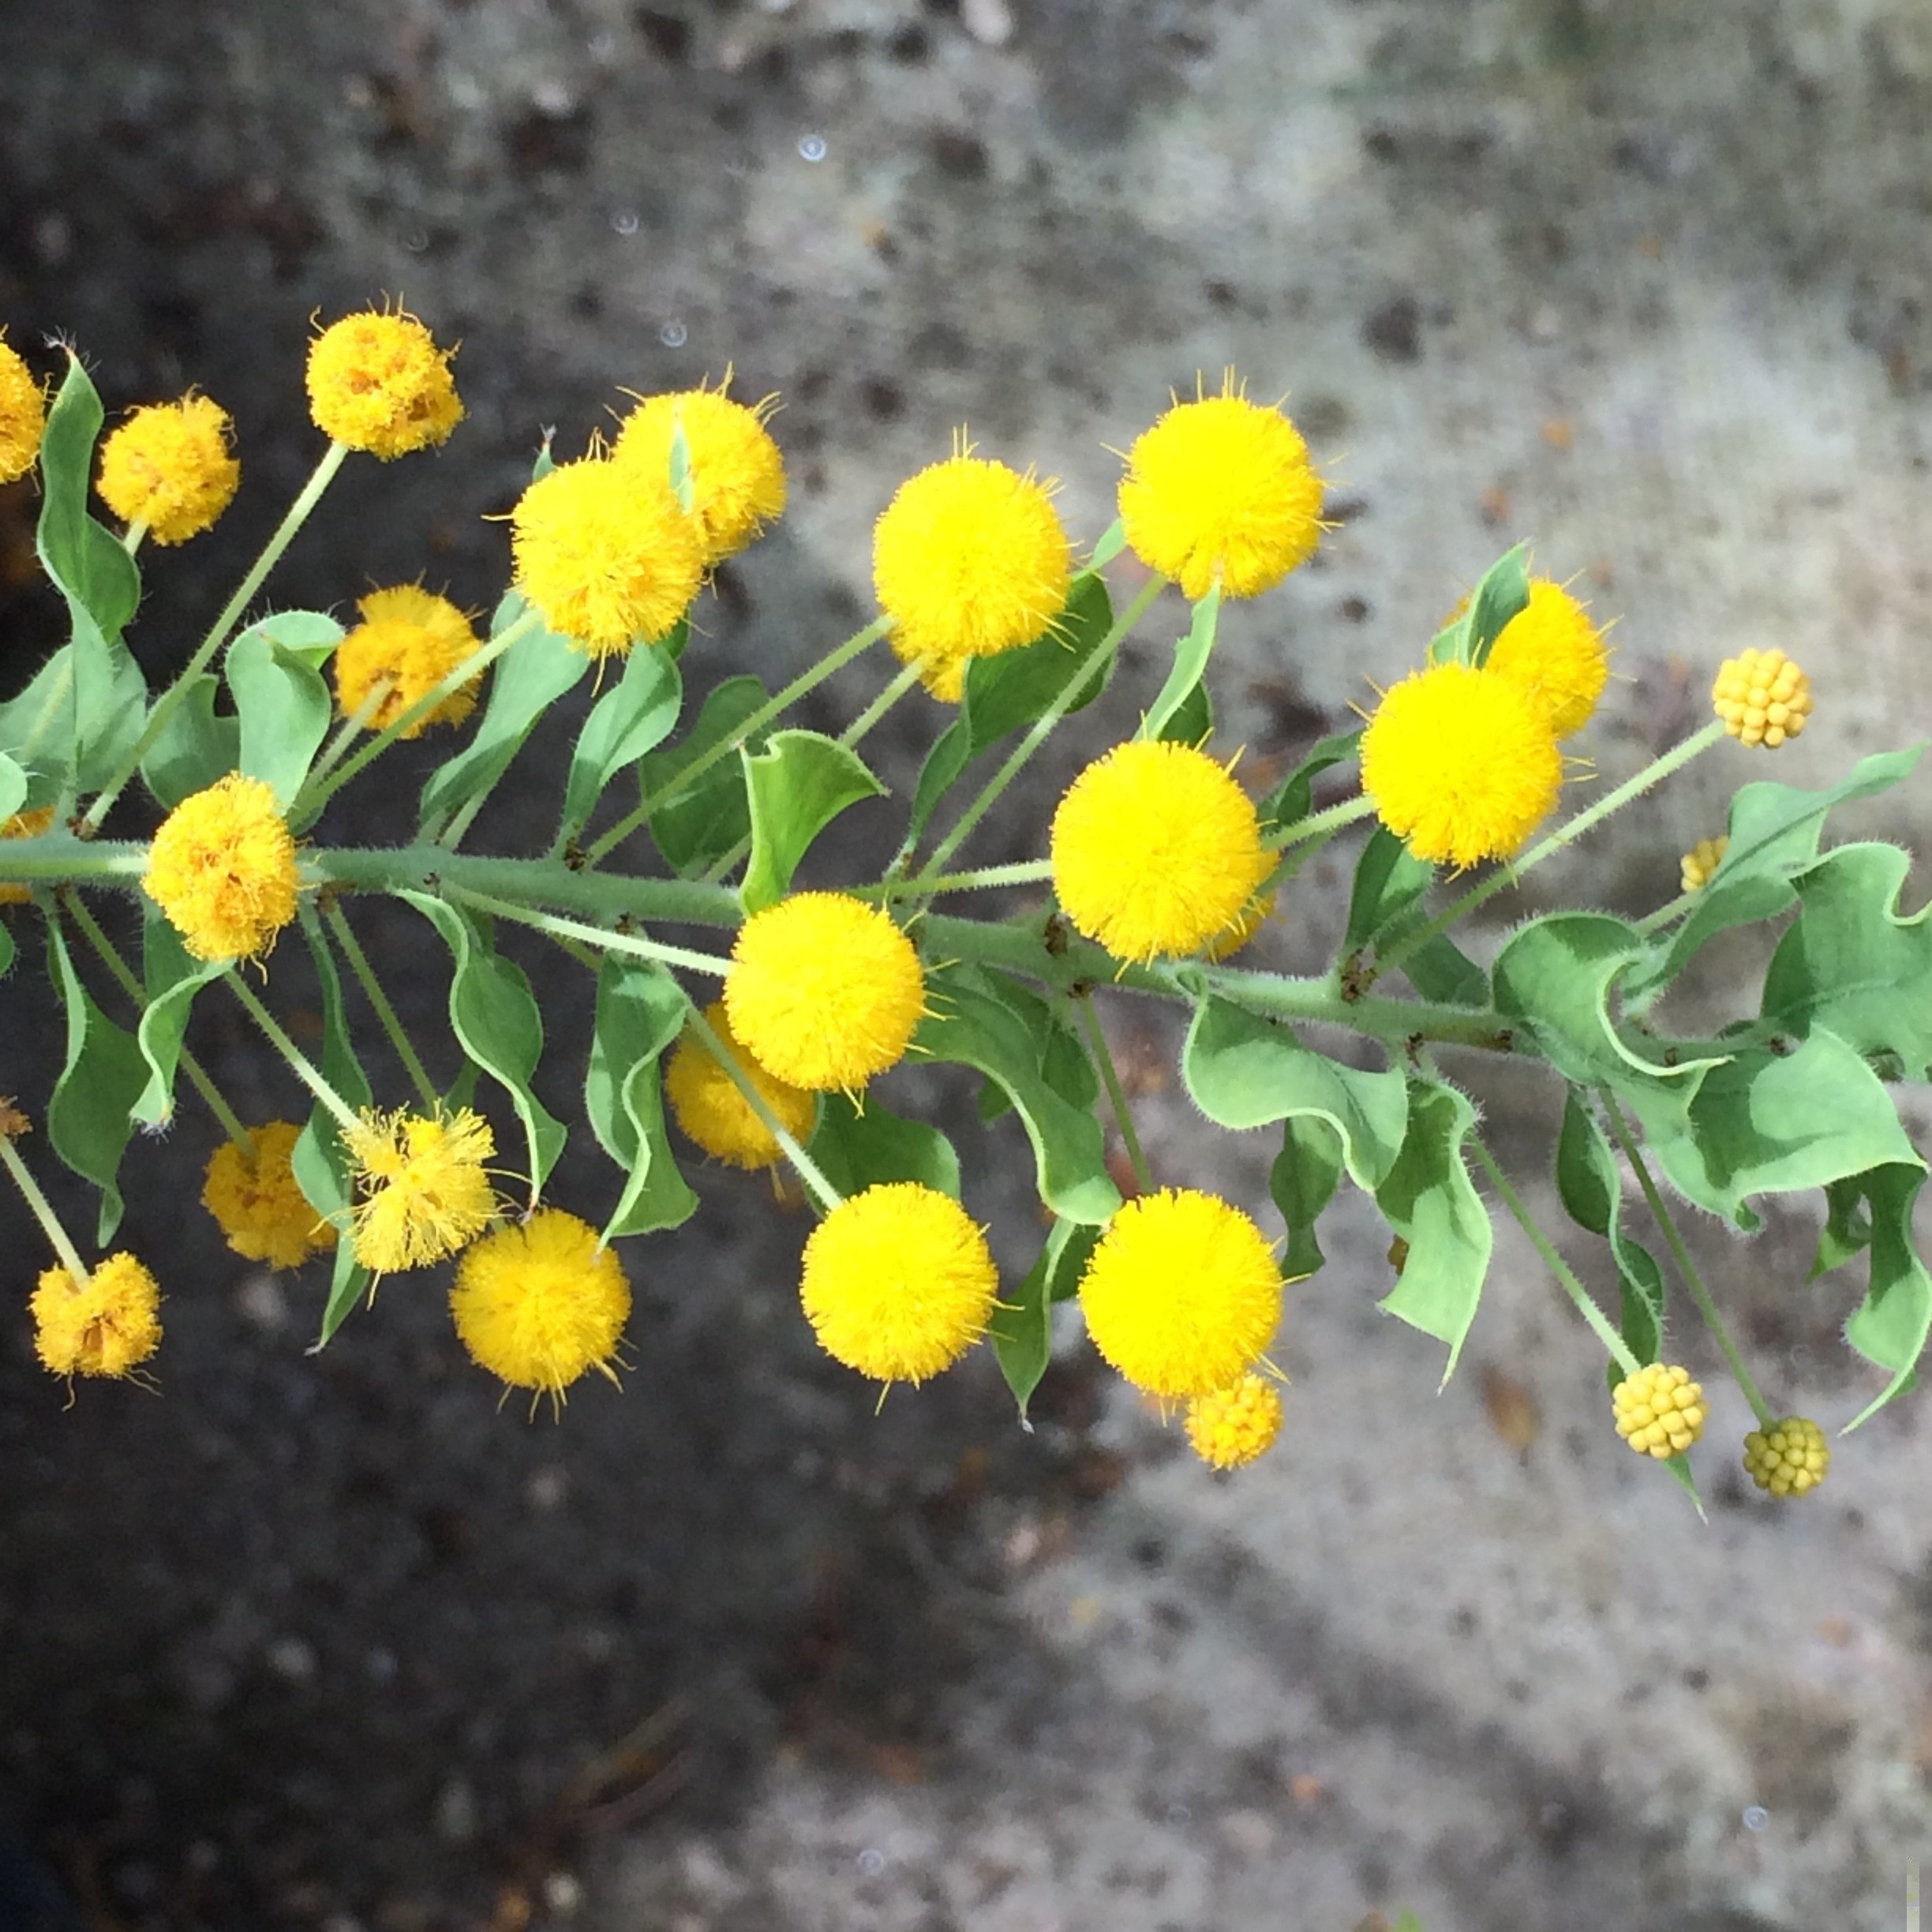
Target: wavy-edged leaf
{"x":1294,"y":797}
{"x":695,"y":828}
{"x":1591,"y":1188}
{"x":796,"y":786}
{"x":1890,"y":1326}
{"x":1021,"y":1329}
{"x":1065,"y":1063}
{"x":196,"y":748}
{"x":172,"y":980}
{"x":641,"y":1009}
{"x":90,"y":1115}
{"x":633,"y":716}
{"x":282,"y":705}
{"x":857,"y":1148}
{"x":1190,"y":665}
{"x":37,"y":727}
{"x":1303,"y":1180}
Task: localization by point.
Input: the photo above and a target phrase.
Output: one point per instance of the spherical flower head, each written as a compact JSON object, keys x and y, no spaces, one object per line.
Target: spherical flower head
{"x":107,"y":1326}
{"x":222,"y":868}
{"x":712,"y":1109}
{"x":1234,"y":1426}
{"x":605,"y":552}
{"x":170,"y":466}
{"x":23,"y":415}
{"x":1182,"y":1293}
{"x":410,"y":639}
{"x":24,"y":825}
{"x":1221,"y":490}
{"x":1660,"y":1410}
{"x":1702,"y":860}
{"x":968,"y":560}
{"x":540,"y":1302}
{"x":261,"y":1209}
{"x":737,"y":475}
{"x":897,"y":1281}
{"x":1460,"y":764}
{"x":824,"y":992}
{"x":1788,"y":1460}
{"x":1156,"y":849}
{"x":424,"y":1191}
{"x":379,"y":383}
{"x":1762,"y":697}
{"x":1552,"y":651}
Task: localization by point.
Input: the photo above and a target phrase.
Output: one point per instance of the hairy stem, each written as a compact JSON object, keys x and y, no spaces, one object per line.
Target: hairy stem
{"x":1116,"y":1097}
{"x":385,"y":1013}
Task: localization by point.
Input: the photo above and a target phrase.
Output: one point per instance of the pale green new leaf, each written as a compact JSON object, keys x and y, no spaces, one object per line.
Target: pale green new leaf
{"x":1190,"y":665}
{"x":172,"y":980}
{"x":796,"y":786}
{"x":641,"y":1009}
{"x":282,"y":701}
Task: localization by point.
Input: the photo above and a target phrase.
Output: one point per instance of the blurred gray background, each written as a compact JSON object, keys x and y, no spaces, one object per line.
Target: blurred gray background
{"x":332,"y":1643}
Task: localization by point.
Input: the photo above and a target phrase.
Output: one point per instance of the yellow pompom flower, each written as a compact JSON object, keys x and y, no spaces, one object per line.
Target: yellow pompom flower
{"x":1701,"y":861}
{"x":737,"y":475}
{"x":538,"y":1303}
{"x":968,"y":560}
{"x":1789,"y":1458}
{"x":170,"y":466}
{"x":378,"y":382}
{"x":1221,"y":490}
{"x":1762,"y":697}
{"x":425,"y":1192}
{"x":1461,"y":764}
{"x":24,"y":825}
{"x":824,"y":991}
{"x":1660,"y":1410}
{"x":1552,"y":651}
{"x":1234,"y":1425}
{"x":107,"y":1325}
{"x":1182,"y":1293}
{"x":222,"y":868}
{"x":897,"y":1281}
{"x":410,"y":639}
{"x":1243,"y":927}
{"x":713,"y":1110}
{"x":262,"y":1211}
{"x":604,"y":550}
{"x":23,"y":414}
{"x":1156,"y":849}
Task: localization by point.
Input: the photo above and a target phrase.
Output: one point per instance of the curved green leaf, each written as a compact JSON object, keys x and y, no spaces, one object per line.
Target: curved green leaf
{"x":89,"y":565}
{"x":173,"y":979}
{"x":1190,"y":665}
{"x":695,"y":828}
{"x":1021,"y":1329}
{"x":1502,"y":591}
{"x":1294,"y":797}
{"x":1591,"y":1187}
{"x":1385,"y":904}
{"x":13,"y":788}
{"x":858,"y":1148}
{"x":1303,"y":1180}
{"x":796,"y":786}
{"x":1890,"y":1326}
{"x":641,"y":1009}
{"x":37,"y":727}
{"x":196,"y":746}
{"x":89,"y":1117}
{"x":282,"y":703}
{"x":633,"y":716}
{"x":952,"y":752}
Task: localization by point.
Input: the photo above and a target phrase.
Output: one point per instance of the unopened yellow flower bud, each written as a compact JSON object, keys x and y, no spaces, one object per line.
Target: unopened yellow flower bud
{"x":1234,"y":1425}
{"x":1702,"y":860}
{"x":1660,"y":1410}
{"x":1762,"y":697}
{"x":1789,"y":1459}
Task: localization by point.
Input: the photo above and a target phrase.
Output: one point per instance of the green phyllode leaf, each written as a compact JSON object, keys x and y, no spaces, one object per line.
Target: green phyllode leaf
{"x":640,"y":1011}
{"x":1591,"y":1187}
{"x":282,"y":703}
{"x":857,"y":1148}
{"x":1021,"y":1329}
{"x":90,"y":1115}
{"x":796,"y":786}
{"x":196,"y":748}
{"x":1190,"y":665}
{"x":172,"y":978}
{"x":633,"y":716}
{"x":1890,"y":1326}
{"x":1386,"y":905}
{"x":696,"y":828}
{"x":1501,"y":592}
{"x":37,"y":728}
{"x":1303,"y":1180}
{"x":1294,"y":797}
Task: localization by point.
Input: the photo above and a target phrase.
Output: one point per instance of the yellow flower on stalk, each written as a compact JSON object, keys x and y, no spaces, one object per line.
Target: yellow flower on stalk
{"x":968,"y":560}
{"x":824,"y":991}
{"x":1234,"y":1426}
{"x":1552,"y":651}
{"x":24,"y":825}
{"x":1762,"y":697}
{"x":538,"y":1303}
{"x":713,"y":1110}
{"x":1156,"y":849}
{"x":897,"y":1281}
{"x":737,"y":475}
{"x":170,"y":466}
{"x":606,"y":553}
{"x":222,"y":868}
{"x":1660,"y":1410}
{"x":1239,"y":930}
{"x":378,"y":382}
{"x":1461,"y":764}
{"x":23,"y":414}
{"x":1221,"y":490}
{"x":1788,"y":1460}
{"x":1703,"y":858}
{"x":1182,"y":1293}
{"x":262,"y":1211}
{"x":108,"y":1325}
{"x":424,"y":1191}
{"x":410,"y":639}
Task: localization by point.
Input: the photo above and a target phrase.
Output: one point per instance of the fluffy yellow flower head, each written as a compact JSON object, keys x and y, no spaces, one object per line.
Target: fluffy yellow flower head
{"x":109,"y":1327}
{"x":1182,"y":1293}
{"x":712,"y":1109}
{"x":1234,"y":1425}
{"x":169,"y":466}
{"x":1789,"y":1459}
{"x":968,"y":560}
{"x":1461,"y":764}
{"x":263,"y":1212}
{"x":1660,"y":1410}
{"x":603,"y":550}
{"x":24,"y":825}
{"x":538,"y":1304}
{"x":379,"y":383}
{"x":1701,"y":861}
{"x":898,"y":1283}
{"x":737,"y":475}
{"x":1552,"y":650}
{"x":1762,"y":697}
{"x":1221,"y":489}
{"x":824,"y":991}
{"x":222,"y":869}
{"x":1156,"y":849}
{"x":1243,"y":927}
{"x":23,"y":415}
{"x":413,"y":639}
{"x":425,"y":1192}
